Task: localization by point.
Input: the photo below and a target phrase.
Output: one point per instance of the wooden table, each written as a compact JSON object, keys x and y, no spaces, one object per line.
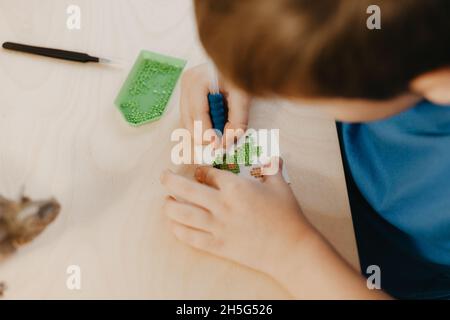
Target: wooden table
{"x":60,"y":135}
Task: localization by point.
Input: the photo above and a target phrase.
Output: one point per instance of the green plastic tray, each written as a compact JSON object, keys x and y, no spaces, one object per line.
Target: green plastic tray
{"x":146,"y":92}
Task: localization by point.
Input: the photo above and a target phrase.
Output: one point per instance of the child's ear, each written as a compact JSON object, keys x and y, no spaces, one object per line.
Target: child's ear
{"x":434,"y":86}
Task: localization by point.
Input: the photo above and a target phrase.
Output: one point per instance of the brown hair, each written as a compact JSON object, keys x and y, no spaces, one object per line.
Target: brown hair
{"x":323,"y":48}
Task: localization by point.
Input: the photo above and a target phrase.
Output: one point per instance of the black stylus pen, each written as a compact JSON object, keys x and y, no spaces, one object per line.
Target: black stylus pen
{"x":54,"y":53}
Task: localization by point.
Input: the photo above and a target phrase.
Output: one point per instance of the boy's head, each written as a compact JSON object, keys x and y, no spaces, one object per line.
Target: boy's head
{"x":322,"y":51}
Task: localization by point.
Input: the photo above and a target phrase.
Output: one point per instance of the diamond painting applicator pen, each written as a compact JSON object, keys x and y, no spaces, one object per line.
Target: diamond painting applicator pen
{"x":217,"y":107}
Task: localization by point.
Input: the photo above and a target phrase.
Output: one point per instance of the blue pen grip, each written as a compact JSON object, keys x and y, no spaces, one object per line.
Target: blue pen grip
{"x":218,"y":111}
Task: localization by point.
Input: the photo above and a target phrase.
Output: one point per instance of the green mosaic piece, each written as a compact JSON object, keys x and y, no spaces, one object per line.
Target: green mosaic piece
{"x":242,"y":155}
{"x":232,"y":167}
{"x":146,"y":92}
{"x":247,"y":152}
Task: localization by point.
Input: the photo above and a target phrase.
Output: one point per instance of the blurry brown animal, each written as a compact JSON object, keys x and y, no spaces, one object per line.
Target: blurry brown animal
{"x":2,"y":288}
{"x":22,"y":221}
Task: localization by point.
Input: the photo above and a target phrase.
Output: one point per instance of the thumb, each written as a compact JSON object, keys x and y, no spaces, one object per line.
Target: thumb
{"x":238,"y":116}
{"x":213,"y":177}
{"x":273,"y":171}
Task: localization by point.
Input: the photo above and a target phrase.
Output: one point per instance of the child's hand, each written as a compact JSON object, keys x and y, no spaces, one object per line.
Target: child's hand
{"x":253,"y":223}
{"x":195,"y":87}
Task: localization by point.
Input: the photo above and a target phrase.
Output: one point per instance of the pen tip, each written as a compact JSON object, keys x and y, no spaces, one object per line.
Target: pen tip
{"x":104,"y":60}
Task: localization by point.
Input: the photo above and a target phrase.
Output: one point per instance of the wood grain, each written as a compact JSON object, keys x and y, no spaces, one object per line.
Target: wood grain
{"x":60,"y":135}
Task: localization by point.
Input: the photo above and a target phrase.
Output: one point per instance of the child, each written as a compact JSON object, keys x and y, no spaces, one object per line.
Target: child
{"x":389,"y":88}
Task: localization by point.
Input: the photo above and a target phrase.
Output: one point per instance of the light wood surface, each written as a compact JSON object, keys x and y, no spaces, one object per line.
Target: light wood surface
{"x":60,"y":135}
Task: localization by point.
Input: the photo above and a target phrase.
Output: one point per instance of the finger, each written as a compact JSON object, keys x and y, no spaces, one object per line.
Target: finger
{"x":195,"y":238}
{"x":188,"y":123}
{"x":211,"y":137}
{"x":239,"y":105}
{"x":194,"y":104}
{"x":188,"y":215}
{"x":273,"y":172}
{"x":185,"y":110}
{"x":200,"y":122}
{"x":238,"y":116}
{"x":190,"y":191}
{"x":214,"y":177}
{"x":232,"y":134}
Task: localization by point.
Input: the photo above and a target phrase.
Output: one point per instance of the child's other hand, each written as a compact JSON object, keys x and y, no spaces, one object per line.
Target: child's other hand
{"x":252,"y":223}
{"x":195,"y":87}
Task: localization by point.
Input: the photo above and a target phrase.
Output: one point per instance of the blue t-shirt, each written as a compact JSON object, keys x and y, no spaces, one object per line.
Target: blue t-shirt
{"x":401,"y":167}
